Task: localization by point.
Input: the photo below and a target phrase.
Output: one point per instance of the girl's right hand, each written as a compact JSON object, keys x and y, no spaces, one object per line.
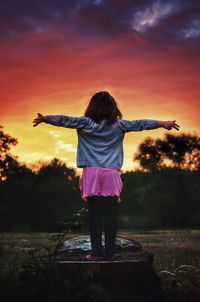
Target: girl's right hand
{"x":170,"y":124}
{"x":39,"y":119}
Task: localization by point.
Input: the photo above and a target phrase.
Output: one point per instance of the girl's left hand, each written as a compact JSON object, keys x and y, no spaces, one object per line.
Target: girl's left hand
{"x":170,"y":124}
{"x":38,"y":120}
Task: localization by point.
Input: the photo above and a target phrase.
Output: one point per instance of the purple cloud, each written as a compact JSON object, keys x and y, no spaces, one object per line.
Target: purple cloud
{"x":151,"y":15}
{"x":156,"y":20}
{"x":192,"y":30}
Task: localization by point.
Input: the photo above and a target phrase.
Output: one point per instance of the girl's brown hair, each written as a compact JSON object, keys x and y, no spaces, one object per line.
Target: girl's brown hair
{"x":103,"y":106}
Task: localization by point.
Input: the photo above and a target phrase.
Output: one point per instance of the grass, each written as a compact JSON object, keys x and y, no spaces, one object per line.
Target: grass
{"x":171,"y":248}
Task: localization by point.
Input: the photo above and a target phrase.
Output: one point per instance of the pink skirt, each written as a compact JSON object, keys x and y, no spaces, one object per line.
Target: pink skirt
{"x":100,"y":181}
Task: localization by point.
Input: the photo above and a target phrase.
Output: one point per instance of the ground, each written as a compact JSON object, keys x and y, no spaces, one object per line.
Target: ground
{"x":171,"y":249}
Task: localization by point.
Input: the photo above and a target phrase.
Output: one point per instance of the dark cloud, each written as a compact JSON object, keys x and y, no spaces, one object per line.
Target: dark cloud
{"x":155,"y":20}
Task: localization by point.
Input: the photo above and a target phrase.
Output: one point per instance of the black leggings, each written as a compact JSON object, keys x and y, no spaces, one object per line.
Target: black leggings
{"x":103,"y":212}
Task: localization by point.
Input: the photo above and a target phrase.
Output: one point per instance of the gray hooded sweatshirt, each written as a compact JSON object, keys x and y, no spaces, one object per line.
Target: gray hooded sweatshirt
{"x":100,"y":144}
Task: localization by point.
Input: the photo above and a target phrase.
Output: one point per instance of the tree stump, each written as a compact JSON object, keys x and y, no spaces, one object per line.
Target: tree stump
{"x":130,"y":277}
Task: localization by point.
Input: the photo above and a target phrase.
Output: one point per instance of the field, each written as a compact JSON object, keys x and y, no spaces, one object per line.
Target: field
{"x":171,"y":249}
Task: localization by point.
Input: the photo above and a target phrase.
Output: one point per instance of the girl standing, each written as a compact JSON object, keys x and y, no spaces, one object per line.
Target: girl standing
{"x":100,"y":153}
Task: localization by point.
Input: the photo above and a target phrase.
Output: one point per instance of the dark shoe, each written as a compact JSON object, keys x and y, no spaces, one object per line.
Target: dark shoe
{"x":111,"y":257}
{"x":94,"y":258}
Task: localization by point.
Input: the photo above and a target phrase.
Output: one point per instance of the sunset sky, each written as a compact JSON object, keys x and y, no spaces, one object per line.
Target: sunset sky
{"x":56,"y":54}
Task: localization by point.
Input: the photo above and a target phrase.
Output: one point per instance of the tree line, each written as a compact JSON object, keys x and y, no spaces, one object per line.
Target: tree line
{"x":163,"y":192}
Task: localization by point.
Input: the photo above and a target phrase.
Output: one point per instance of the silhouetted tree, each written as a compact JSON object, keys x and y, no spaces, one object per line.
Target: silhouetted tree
{"x":56,"y":168}
{"x":179,"y":151}
{"x":164,"y":197}
{"x":6,"y":141}
{"x":10,"y":167}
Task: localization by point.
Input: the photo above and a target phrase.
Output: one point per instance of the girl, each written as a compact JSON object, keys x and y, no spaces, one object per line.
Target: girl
{"x":100,"y":153}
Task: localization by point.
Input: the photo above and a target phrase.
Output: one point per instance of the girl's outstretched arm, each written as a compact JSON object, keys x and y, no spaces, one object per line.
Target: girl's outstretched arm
{"x":62,"y":121}
{"x":146,"y":124}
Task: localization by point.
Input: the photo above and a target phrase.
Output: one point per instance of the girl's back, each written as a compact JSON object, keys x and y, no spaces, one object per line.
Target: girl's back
{"x":100,"y":144}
